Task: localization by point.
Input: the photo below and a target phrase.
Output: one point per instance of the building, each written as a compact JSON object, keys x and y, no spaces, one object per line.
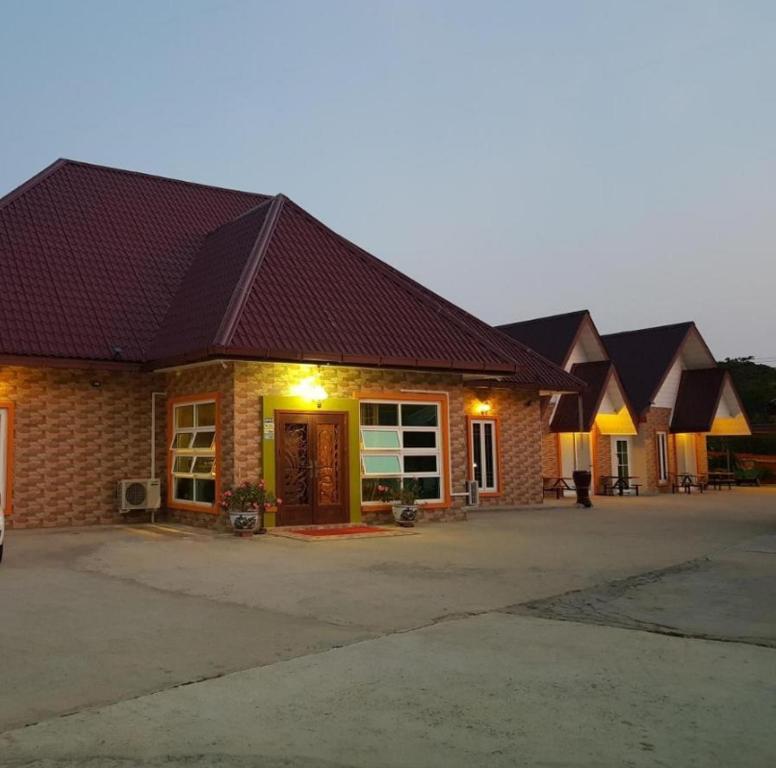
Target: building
{"x":579,"y":432}
{"x":679,"y":395}
{"x":206,"y":336}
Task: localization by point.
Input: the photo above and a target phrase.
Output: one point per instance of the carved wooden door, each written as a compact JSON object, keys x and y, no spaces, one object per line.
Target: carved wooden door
{"x":311,"y":464}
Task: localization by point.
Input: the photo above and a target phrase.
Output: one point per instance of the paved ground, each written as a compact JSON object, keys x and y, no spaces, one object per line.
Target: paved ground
{"x":502,"y":641}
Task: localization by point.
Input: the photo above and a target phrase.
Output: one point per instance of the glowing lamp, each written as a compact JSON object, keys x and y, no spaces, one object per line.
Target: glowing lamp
{"x":311,"y":389}
{"x":483,"y":408}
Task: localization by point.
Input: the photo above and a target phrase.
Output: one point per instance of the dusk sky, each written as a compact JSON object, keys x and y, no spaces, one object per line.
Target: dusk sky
{"x":519,"y":158}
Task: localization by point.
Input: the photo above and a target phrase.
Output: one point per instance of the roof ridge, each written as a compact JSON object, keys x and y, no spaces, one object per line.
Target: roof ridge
{"x":686,"y":323}
{"x":544,"y":318}
{"x":33,"y":181}
{"x":248,"y":275}
{"x":229,"y":223}
{"x":420,"y":292}
{"x":159,"y":177}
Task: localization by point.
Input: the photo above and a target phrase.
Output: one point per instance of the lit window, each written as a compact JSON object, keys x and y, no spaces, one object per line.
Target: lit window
{"x":662,"y":457}
{"x":483,"y":454}
{"x":401,"y":447}
{"x":193,"y":449}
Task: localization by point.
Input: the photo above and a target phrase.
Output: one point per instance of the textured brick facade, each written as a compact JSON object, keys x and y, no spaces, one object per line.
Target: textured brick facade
{"x":77,"y":432}
{"x":656,"y":420}
{"x":518,"y":415}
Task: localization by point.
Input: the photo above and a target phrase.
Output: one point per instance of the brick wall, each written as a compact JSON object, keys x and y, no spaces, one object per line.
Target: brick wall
{"x":550,"y":448}
{"x":656,"y":420}
{"x":197,"y":380}
{"x":73,"y":441}
{"x":521,"y":443}
{"x":520,"y":427}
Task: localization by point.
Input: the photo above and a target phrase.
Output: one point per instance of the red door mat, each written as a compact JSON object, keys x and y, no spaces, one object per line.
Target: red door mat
{"x":351,"y":529}
{"x":339,"y":532}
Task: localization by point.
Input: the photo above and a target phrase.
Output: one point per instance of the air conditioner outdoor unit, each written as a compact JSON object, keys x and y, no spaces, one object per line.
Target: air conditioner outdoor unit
{"x":138,"y":494}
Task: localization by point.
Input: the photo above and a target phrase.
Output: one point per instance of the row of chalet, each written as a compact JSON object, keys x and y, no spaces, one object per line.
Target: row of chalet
{"x":652,"y":397}
{"x":152,"y":328}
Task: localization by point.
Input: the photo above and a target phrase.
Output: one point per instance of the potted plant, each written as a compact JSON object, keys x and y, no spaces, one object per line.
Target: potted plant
{"x":246,"y":505}
{"x":405,"y":510}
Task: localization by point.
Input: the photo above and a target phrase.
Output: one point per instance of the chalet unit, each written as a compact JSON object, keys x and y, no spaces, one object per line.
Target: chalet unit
{"x":200,"y":336}
{"x":579,"y":432}
{"x":679,"y":395}
{"x":652,"y":397}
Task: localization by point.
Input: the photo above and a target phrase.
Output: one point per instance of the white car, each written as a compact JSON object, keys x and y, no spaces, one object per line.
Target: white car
{"x":2,"y":533}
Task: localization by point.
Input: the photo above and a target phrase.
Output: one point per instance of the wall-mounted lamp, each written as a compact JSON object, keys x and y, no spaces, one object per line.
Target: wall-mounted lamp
{"x":483,"y":407}
{"x":311,"y":389}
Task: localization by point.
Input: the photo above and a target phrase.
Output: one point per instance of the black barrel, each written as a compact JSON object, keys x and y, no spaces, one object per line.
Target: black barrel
{"x":582,"y":484}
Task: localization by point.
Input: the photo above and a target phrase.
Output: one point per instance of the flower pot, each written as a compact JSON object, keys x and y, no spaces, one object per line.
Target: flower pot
{"x":243,"y":523}
{"x":405,"y":515}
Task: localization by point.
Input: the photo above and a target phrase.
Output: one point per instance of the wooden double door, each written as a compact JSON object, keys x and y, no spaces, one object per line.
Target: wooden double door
{"x":311,"y":465}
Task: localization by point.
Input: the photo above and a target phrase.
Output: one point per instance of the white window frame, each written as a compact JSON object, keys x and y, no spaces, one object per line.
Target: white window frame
{"x":194,"y":453}
{"x":662,"y":457}
{"x":493,"y":488}
{"x":615,"y":458}
{"x":401,"y":452}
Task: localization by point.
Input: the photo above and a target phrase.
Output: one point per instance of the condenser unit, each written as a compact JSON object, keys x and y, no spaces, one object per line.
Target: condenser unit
{"x":138,"y":494}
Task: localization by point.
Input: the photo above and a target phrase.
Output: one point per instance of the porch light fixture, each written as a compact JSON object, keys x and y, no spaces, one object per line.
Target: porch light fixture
{"x":311,"y":389}
{"x":483,"y":407}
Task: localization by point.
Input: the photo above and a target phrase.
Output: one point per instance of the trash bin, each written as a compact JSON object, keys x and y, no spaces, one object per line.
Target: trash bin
{"x":582,"y":484}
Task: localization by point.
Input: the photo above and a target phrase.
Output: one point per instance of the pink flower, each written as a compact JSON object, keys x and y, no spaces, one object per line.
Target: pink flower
{"x":278,"y":501}
{"x":267,"y":507}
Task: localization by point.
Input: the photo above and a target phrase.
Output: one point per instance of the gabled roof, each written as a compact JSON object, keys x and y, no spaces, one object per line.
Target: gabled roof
{"x":597,"y":377}
{"x":644,"y":357}
{"x":698,"y":400}
{"x":553,"y":336}
{"x":100,"y":260}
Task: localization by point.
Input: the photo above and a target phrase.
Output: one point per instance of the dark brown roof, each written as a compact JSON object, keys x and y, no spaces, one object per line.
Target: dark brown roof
{"x":697,"y":400}
{"x":90,"y":258}
{"x":97,"y":260}
{"x":644,"y":357}
{"x":553,"y":336}
{"x":597,"y":377}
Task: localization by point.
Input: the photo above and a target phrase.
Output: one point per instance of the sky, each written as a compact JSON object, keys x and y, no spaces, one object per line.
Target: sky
{"x":519,"y":158}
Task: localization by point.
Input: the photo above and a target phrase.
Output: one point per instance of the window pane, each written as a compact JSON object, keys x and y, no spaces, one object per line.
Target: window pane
{"x":184,"y":416}
{"x":203,"y":465}
{"x":379,"y":414}
{"x":204,"y":439}
{"x":419,"y":415}
{"x":425,"y":487}
{"x":206,"y":415}
{"x":369,"y":487}
{"x":381,"y":465}
{"x":477,"y":451}
{"x":419,"y":439}
{"x":184,"y":488}
{"x":182,"y":440}
{"x":182,"y":464}
{"x":382,"y":438}
{"x":420,"y":464}
{"x":205,"y":490}
{"x":489,"y":467}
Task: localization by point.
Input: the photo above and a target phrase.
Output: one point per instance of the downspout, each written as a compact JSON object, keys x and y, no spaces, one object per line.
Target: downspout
{"x":154,"y":395}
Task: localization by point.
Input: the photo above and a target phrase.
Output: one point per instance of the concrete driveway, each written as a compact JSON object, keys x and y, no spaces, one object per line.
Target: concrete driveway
{"x":457,"y":646}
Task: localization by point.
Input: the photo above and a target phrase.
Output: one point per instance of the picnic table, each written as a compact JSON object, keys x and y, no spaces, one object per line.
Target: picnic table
{"x":719,"y":478}
{"x":558,"y":485}
{"x":686,"y":481}
{"x":619,"y":484}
